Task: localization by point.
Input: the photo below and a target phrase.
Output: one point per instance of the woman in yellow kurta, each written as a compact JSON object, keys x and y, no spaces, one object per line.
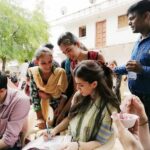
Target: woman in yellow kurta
{"x":47,"y":84}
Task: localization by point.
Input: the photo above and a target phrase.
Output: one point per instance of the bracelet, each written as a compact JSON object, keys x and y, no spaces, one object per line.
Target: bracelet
{"x":142,"y":124}
{"x":78,"y":145}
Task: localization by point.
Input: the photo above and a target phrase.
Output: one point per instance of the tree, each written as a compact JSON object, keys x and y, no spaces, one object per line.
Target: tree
{"x":20,"y":32}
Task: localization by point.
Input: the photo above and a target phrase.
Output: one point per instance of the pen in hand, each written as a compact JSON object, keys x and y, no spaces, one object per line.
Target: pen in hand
{"x":47,"y":128}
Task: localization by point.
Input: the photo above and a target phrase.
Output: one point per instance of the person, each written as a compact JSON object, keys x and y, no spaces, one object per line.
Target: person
{"x":51,"y":47}
{"x":76,"y":52}
{"x":47,"y":85}
{"x":89,"y":120}
{"x":138,"y":68}
{"x":139,"y":136}
{"x":14,"y":108}
{"x":116,"y":79}
{"x":14,"y":80}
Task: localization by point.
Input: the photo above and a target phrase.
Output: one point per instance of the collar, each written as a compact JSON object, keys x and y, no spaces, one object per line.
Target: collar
{"x":140,"y":38}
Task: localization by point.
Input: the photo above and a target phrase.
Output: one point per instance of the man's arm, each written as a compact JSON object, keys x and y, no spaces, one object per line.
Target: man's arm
{"x":120,"y":70}
{"x":16,"y":121}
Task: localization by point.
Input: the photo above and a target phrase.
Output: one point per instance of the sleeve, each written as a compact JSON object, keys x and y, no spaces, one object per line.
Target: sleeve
{"x":120,"y":70}
{"x":16,"y":121}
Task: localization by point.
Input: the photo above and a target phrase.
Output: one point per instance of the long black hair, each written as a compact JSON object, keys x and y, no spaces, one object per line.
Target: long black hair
{"x":90,"y":71}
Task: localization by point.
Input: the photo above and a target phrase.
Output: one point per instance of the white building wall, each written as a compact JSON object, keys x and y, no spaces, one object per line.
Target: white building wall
{"x":114,"y":36}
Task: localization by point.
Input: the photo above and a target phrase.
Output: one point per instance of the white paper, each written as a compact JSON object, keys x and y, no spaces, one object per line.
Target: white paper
{"x":52,"y":144}
{"x":132,"y":75}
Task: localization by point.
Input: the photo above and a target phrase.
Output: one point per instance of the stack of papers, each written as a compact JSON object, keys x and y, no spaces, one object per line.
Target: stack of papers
{"x":53,"y":144}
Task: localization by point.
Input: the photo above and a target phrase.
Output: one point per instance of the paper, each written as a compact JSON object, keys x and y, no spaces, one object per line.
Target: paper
{"x":52,"y":144}
{"x":132,"y":75}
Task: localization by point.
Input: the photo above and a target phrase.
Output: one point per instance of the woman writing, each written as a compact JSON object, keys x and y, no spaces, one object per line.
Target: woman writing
{"x":89,"y":118}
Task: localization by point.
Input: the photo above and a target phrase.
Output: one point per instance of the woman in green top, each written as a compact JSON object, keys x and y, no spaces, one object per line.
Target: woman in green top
{"x":89,"y":120}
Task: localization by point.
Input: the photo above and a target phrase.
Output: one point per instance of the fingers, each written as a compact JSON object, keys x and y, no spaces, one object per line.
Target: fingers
{"x":118,"y":126}
{"x":131,"y":63}
{"x":45,"y":136}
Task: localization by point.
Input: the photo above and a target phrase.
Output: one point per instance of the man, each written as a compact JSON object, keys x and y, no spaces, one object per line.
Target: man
{"x":138,"y":68}
{"x":14,"y":108}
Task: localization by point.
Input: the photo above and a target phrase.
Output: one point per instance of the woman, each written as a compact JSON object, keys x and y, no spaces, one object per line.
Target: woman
{"x":47,"y":84}
{"x":89,"y":118}
{"x":116,"y":79}
{"x":76,"y":52}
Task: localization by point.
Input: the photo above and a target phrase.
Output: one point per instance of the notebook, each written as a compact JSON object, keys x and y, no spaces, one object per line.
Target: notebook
{"x":53,"y":144}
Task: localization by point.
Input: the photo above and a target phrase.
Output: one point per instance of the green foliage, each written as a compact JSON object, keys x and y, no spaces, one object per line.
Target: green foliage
{"x":20,"y":32}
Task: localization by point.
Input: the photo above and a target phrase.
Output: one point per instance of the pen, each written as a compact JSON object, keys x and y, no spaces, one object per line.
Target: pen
{"x":47,"y":128}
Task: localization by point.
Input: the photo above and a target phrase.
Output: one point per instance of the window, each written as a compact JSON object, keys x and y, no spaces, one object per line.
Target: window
{"x":82,"y":31}
{"x":122,"y":21}
{"x":101,"y":34}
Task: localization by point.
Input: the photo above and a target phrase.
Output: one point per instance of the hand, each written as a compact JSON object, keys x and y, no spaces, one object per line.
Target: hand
{"x":47,"y":136}
{"x":129,"y":140}
{"x":43,"y":95}
{"x":41,"y":123}
{"x":134,"y":66}
{"x":132,"y":104}
{"x":69,"y":146}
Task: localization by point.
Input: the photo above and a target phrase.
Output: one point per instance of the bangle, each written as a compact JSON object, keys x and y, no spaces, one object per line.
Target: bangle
{"x":78,"y":145}
{"x":142,"y":124}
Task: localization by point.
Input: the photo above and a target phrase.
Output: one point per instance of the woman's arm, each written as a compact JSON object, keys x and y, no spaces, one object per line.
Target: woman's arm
{"x":80,"y":145}
{"x":144,"y":134}
{"x":89,"y":145}
{"x":62,"y":126}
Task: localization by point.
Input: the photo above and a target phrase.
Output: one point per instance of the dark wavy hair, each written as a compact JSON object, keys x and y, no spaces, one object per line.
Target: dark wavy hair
{"x":68,"y":38}
{"x":3,"y":80}
{"x":90,"y":71}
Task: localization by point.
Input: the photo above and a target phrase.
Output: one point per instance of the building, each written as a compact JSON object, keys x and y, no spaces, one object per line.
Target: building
{"x":102,"y":25}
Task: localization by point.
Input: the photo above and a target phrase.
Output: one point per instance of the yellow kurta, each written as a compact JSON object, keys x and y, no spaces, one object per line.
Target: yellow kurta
{"x":56,"y":85}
